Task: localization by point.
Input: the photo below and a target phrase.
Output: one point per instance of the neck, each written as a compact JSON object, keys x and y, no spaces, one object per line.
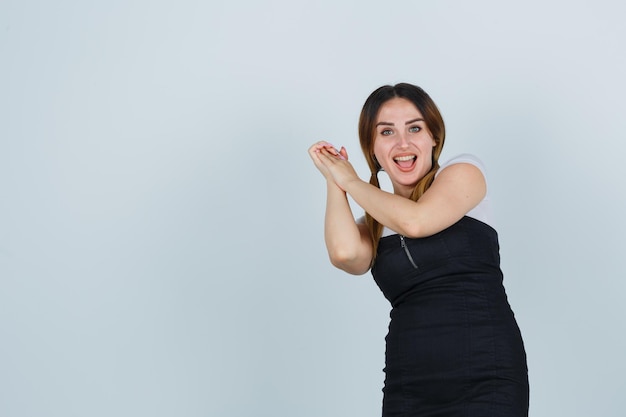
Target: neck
{"x":403,"y":190}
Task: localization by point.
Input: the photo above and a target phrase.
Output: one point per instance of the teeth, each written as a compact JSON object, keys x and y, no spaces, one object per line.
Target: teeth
{"x":404,"y":158}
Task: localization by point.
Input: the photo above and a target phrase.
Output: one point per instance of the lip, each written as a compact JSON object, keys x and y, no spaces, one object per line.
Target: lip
{"x":408,"y":168}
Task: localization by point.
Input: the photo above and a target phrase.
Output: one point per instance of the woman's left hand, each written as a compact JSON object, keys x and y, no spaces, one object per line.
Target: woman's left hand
{"x":340,"y":169}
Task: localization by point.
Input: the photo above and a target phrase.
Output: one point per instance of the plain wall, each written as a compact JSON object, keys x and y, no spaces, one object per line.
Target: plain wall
{"x":161,"y":245}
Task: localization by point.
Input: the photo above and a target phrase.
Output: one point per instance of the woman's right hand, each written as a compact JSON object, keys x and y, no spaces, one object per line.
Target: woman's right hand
{"x":314,"y":153}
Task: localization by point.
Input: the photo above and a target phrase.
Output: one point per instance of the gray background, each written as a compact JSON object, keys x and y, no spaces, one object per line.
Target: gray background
{"x":161,"y":248}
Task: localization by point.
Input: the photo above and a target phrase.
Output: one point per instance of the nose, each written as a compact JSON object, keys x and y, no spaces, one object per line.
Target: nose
{"x":403,"y":140}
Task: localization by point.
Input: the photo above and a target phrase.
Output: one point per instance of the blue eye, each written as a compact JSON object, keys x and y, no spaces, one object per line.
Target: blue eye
{"x":414,"y":129}
{"x":386,"y":132}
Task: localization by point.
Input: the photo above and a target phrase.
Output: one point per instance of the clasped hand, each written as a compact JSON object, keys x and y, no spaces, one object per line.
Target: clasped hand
{"x":333,"y":164}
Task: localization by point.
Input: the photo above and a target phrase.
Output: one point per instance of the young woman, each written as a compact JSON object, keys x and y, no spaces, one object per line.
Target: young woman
{"x":453,"y":346}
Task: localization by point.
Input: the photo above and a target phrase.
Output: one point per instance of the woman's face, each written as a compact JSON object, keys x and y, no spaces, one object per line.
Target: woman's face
{"x":403,"y":145}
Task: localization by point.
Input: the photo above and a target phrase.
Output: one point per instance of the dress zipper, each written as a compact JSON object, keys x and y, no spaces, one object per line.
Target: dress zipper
{"x":408,"y":254}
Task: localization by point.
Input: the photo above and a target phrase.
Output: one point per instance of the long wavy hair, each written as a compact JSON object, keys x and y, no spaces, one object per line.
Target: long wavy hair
{"x":367,"y":135}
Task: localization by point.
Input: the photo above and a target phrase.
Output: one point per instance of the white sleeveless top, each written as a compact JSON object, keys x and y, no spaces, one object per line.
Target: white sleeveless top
{"x":481,"y":212}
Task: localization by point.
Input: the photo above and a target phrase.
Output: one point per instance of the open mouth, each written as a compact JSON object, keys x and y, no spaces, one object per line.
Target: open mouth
{"x":405,"y":161}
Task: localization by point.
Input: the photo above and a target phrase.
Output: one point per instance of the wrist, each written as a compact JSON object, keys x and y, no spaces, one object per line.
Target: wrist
{"x":332,"y":187}
{"x":349,"y":185}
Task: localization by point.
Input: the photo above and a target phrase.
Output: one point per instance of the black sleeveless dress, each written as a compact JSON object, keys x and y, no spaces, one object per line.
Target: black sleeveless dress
{"x":453,"y":346}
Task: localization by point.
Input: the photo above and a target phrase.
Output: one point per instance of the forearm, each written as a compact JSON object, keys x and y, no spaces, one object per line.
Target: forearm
{"x":347,"y":248}
{"x":457,"y":190}
{"x":395,"y":212}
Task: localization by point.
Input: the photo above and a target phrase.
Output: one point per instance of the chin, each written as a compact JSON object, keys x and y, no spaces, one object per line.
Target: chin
{"x":405,"y":180}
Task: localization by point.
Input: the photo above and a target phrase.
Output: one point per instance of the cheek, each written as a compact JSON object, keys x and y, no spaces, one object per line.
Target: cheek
{"x":428,"y":154}
{"x":377,"y":151}
{"x":378,"y":158}
{"x":429,"y":146}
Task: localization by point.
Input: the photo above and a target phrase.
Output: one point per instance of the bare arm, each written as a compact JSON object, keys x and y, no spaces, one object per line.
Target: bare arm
{"x":348,"y":243}
{"x":456,"y":190}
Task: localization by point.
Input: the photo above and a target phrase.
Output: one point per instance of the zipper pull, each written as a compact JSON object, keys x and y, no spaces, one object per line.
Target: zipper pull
{"x":408,"y":254}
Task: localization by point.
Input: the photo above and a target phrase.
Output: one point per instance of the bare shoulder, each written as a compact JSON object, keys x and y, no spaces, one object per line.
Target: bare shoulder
{"x":463,"y":165}
{"x":460,"y":182}
{"x":461,"y":171}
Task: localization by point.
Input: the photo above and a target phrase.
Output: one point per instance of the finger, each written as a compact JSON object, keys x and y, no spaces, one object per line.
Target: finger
{"x":326,"y":159}
{"x":333,"y":151}
{"x":319,"y":145}
{"x":341,"y":153}
{"x":327,"y":145}
{"x":316,"y":150}
{"x":313,"y":152}
{"x":344,"y":153}
{"x":329,"y":154}
{"x":316,"y":154}
{"x":322,"y":154}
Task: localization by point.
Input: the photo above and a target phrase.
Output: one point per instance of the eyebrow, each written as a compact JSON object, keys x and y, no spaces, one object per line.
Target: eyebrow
{"x":406,"y":123}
